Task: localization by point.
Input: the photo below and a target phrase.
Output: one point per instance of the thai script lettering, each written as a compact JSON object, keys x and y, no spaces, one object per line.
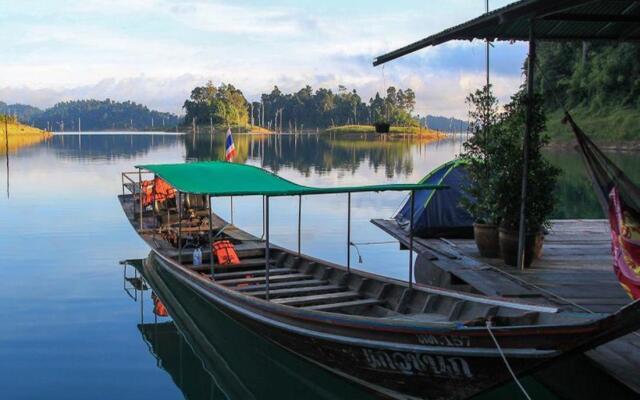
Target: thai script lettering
{"x":445,"y":340}
{"x":413,"y":363}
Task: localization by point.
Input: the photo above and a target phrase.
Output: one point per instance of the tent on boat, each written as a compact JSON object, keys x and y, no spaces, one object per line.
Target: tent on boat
{"x":438,"y":213}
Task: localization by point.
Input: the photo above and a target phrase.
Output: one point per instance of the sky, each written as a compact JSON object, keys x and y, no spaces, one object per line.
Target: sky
{"x":155,"y":51}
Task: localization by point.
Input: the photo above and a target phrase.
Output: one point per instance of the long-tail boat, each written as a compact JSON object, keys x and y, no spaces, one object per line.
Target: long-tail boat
{"x":398,"y":338}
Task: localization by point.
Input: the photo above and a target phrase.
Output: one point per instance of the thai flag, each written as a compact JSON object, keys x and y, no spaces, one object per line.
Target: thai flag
{"x":230,"y":149}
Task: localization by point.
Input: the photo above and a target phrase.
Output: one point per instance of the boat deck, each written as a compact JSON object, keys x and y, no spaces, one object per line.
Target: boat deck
{"x":575,"y":269}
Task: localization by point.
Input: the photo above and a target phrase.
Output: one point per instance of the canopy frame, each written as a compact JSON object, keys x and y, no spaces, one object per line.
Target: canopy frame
{"x":291,"y":189}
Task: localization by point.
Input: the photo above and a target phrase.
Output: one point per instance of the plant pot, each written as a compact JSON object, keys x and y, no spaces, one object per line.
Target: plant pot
{"x":509,"y":246}
{"x":486,"y":237}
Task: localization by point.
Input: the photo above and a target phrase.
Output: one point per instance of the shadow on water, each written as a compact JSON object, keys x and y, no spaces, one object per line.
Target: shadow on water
{"x":209,"y":355}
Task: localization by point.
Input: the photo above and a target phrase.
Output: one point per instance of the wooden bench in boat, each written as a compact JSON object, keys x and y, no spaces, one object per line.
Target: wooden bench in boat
{"x":281,"y":285}
{"x":261,"y":279}
{"x":318,"y":298}
{"x":346,"y":304}
{"x":291,"y":292}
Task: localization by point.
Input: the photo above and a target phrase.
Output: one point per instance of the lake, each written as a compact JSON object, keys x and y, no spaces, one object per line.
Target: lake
{"x":71,"y":331}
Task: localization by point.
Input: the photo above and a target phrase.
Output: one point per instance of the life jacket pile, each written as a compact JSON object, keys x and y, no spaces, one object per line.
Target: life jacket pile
{"x":225,"y":252}
{"x":163,"y":191}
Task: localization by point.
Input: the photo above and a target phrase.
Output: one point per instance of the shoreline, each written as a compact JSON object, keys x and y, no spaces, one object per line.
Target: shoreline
{"x":616,"y":146}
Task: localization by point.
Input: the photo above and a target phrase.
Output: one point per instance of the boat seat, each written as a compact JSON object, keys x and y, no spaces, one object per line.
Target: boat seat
{"x":291,"y":292}
{"x":262,"y":279}
{"x":281,"y":285}
{"x":336,"y":306}
{"x":253,"y":272}
{"x":318,"y":299}
{"x":243,"y":265}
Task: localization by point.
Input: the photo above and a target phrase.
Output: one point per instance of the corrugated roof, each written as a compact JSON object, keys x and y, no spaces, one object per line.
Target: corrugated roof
{"x":617,"y":20}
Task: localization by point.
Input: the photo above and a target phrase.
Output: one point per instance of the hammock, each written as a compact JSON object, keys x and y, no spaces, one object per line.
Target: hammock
{"x":620,"y":200}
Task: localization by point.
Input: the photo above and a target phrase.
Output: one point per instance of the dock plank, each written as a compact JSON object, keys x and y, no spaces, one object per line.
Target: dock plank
{"x":575,"y":269}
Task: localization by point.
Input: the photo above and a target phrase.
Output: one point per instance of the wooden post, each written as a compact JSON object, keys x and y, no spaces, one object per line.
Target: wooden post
{"x":266,"y":248}
{"x":348,"y":232}
{"x":210,"y":237}
{"x":412,"y":204}
{"x":179,"y":203}
{"x":525,"y":144}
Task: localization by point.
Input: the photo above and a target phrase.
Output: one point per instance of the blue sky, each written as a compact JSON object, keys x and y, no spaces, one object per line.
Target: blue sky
{"x":155,"y":51}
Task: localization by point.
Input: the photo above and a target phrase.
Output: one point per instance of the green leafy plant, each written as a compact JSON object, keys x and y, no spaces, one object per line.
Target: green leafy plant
{"x":494,"y":157}
{"x":479,"y":153}
{"x":507,"y":158}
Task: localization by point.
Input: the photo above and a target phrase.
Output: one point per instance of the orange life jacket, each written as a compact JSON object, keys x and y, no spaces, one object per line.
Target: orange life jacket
{"x":158,"y":308}
{"x":163,"y":191}
{"x":225,"y":252}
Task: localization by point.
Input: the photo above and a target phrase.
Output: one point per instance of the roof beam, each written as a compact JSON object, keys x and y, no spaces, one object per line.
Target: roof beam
{"x":592,"y":18}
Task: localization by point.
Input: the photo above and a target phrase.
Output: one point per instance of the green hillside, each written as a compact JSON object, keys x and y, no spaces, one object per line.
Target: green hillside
{"x":598,"y":82}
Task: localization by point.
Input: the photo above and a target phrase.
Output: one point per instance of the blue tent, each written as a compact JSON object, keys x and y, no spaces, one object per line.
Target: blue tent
{"x":438,"y":213}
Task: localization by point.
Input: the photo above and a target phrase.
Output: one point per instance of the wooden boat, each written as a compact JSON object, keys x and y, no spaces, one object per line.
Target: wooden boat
{"x":397,"y":338}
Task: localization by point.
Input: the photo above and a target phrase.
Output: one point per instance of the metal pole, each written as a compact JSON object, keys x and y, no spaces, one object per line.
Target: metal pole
{"x":348,"y":232}
{"x":299,"y":220}
{"x":488,"y":45}
{"x":179,"y":203}
{"x":411,"y":239}
{"x":140,"y":195}
{"x":153,"y":208}
{"x":266,"y":246}
{"x":525,"y":144}
{"x":231,"y":197}
{"x":210,"y":236}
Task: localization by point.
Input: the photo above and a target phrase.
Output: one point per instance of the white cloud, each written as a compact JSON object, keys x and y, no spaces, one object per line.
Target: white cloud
{"x":155,"y":51}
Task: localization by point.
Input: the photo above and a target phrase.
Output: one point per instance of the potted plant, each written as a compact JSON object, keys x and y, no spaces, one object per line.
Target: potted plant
{"x":479,"y":151}
{"x":507,"y":179}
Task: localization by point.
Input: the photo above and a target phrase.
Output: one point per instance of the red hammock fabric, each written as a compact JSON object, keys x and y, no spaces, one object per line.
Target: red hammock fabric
{"x":620,"y":200}
{"x":625,"y":243}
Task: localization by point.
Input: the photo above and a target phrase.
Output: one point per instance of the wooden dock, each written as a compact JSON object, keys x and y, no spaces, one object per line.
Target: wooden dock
{"x":575,"y":270}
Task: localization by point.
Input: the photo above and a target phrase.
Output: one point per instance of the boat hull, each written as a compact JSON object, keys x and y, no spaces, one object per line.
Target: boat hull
{"x":442,"y":373}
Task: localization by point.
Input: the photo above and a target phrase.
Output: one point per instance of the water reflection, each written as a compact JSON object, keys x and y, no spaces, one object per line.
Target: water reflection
{"x":208,"y":355}
{"x":110,"y":146}
{"x":314,"y":153}
{"x":70,"y":330}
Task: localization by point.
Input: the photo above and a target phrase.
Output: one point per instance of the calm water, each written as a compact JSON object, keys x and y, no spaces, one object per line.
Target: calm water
{"x":70,"y":331}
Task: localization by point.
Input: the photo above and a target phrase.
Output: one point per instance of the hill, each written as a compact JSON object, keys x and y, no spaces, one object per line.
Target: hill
{"x":598,"y":82}
{"x":94,"y":115}
{"x":20,"y":135}
{"x":444,"y":124}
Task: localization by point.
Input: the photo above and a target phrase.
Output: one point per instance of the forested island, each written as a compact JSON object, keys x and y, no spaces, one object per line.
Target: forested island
{"x":598,"y":82}
{"x":306,"y":109}
{"x":92,"y":115}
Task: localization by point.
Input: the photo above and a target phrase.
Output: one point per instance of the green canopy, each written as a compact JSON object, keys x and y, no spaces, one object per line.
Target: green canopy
{"x":219,"y":178}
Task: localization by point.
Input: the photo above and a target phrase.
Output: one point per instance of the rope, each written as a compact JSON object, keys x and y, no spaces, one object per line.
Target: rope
{"x":506,"y":363}
{"x":368,"y":243}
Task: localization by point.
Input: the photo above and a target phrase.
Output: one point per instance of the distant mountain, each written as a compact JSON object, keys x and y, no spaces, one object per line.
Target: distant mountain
{"x":22,"y":111}
{"x":444,"y":124}
{"x":93,"y":115}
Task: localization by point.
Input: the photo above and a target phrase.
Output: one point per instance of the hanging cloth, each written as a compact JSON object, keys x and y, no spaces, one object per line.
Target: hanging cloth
{"x":620,"y":200}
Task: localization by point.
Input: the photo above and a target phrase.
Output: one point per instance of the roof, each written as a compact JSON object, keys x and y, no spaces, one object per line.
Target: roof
{"x":617,"y":20}
{"x":219,"y":178}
